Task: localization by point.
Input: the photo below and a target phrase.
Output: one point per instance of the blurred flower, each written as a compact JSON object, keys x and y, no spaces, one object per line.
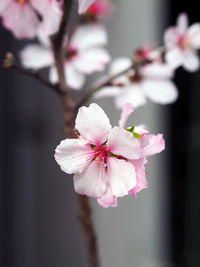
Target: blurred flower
{"x":182,"y":43}
{"x":152,"y":81}
{"x":21,"y":16}
{"x":98,"y":158}
{"x":84,"y":55}
{"x":100,"y":9}
{"x":84,"y":5}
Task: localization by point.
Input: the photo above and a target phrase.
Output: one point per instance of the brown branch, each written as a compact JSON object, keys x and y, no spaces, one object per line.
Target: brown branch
{"x":108,"y":81}
{"x":35,"y":75}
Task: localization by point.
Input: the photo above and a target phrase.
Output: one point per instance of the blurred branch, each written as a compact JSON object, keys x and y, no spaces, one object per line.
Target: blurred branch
{"x":108,"y":81}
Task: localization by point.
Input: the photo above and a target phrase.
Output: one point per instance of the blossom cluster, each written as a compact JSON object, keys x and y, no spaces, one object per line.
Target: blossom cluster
{"x":107,"y":162}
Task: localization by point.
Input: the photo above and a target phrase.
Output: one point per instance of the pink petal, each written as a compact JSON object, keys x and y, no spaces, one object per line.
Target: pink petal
{"x":83,"y":5}
{"x":174,"y":58}
{"x":21,"y":20}
{"x":107,"y":91}
{"x":119,"y":65}
{"x":160,"y":91}
{"x":4,"y":4}
{"x":126,"y":112}
{"x":171,"y":37}
{"x":88,"y":36}
{"x":91,"y":60}
{"x":123,"y":143}
{"x":194,"y":35}
{"x":107,"y":199}
{"x":93,"y":124}
{"x":121,"y":177}
{"x":152,"y":144}
{"x":191,"y":60}
{"x":75,"y":79}
{"x":157,"y":71}
{"x":140,"y":176}
{"x":92,"y":182}
{"x":73,"y":155}
{"x":182,"y":23}
{"x":132,"y":94}
{"x":36,"y":57}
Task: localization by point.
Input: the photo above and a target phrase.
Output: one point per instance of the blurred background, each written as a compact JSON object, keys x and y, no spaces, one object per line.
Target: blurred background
{"x":39,"y":214}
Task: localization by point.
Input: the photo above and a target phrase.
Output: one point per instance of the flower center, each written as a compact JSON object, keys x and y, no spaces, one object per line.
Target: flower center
{"x":71,"y":53}
{"x":22,"y":2}
{"x":183,"y":42}
{"x":101,"y":155}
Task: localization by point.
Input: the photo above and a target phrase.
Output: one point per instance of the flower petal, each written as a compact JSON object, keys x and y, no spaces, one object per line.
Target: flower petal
{"x":84,"y":5}
{"x":36,"y":57}
{"x":91,"y":60}
{"x":92,"y":182}
{"x":123,"y":143}
{"x":140,"y":176}
{"x":191,"y":60}
{"x":93,"y":124}
{"x":174,"y":58}
{"x":74,"y":78}
{"x":4,"y":4}
{"x":160,"y":91}
{"x":182,"y":23}
{"x":121,"y":177}
{"x":107,"y":199}
{"x":73,"y":155}
{"x":89,"y":36}
{"x":157,"y":71}
{"x":21,"y":20}
{"x":132,"y":94}
{"x":119,"y":65}
{"x":107,"y":91}
{"x":171,"y":37}
{"x":194,"y":35}
{"x":126,"y":112}
{"x":152,"y":144}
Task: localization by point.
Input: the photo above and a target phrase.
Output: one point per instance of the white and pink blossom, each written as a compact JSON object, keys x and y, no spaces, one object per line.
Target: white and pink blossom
{"x":85,"y":55}
{"x":99,"y":157}
{"x":182,"y":43}
{"x":100,"y":9}
{"x":151,"y":81}
{"x":83,"y":5}
{"x":21,"y":16}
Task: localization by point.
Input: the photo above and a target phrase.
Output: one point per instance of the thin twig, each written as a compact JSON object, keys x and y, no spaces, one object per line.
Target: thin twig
{"x":108,"y":81}
{"x":35,"y":75}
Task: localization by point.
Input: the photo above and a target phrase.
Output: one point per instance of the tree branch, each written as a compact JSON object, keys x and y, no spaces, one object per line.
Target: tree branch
{"x":108,"y":81}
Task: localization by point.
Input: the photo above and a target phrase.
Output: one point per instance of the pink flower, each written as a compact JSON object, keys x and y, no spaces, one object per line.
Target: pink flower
{"x":182,"y":43}
{"x":85,"y":55}
{"x":84,"y":5}
{"x":100,"y":8}
{"x":21,"y":16}
{"x":151,"y":81}
{"x":99,"y":157}
{"x":150,"y":145}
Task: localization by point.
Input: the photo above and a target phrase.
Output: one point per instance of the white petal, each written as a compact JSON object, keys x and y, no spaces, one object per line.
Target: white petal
{"x":93,"y":124}
{"x":4,"y":4}
{"x":152,"y":144}
{"x":92,"y":182}
{"x":194,"y":35}
{"x":182,"y":23}
{"x":53,"y":76}
{"x":107,"y":199}
{"x":73,"y":155}
{"x":21,"y":20}
{"x":89,"y":36}
{"x":171,"y":37}
{"x":174,"y":58}
{"x":120,"y":64}
{"x":121,"y":176}
{"x":91,"y":60}
{"x":133,"y":95}
{"x":157,"y":70}
{"x":74,"y":78}
{"x":160,"y":91}
{"x":84,"y":5}
{"x":191,"y":60}
{"x":36,"y":57}
{"x":123,"y":143}
{"x":107,"y":91}
{"x":126,"y":112}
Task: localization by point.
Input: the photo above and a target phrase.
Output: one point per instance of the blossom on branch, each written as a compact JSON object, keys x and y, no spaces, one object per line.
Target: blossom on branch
{"x":102,"y":158}
{"x":22,"y":16}
{"x":150,"y":81}
{"x":182,"y":43}
{"x":84,"y":55}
